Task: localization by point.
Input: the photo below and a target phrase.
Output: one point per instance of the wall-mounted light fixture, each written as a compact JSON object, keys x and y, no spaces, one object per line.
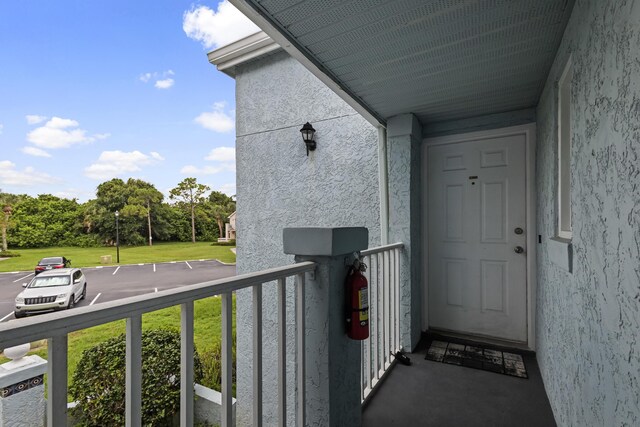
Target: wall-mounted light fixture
{"x":307,"y":136}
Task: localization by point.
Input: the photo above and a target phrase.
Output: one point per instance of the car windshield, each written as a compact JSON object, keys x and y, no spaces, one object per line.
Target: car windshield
{"x":57,"y":260}
{"x":50,"y":281}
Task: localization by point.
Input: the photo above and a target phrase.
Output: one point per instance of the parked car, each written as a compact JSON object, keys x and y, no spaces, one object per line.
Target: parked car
{"x":51,"y":290}
{"x":51,"y":263}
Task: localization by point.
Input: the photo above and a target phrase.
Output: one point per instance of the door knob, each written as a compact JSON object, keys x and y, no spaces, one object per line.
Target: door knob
{"x":519,"y":249}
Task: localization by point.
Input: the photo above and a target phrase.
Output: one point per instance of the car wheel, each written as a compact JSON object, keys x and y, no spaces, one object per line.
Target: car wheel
{"x":84,"y":292}
{"x":19,"y":315}
{"x":72,"y":302}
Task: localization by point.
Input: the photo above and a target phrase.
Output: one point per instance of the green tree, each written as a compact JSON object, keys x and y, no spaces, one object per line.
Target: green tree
{"x":189,"y":194}
{"x":221,"y":206}
{"x":46,"y":220}
{"x":143,"y":197}
{"x":7,"y":201}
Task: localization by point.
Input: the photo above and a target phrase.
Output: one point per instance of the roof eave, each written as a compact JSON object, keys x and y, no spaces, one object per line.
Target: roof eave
{"x":251,"y":47}
{"x":293,"y":48}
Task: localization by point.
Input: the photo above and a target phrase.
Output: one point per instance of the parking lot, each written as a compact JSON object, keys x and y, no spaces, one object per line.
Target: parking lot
{"x":116,"y":282}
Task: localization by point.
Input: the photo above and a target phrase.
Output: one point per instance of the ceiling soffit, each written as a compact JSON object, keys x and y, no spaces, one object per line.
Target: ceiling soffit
{"x":438,"y":59}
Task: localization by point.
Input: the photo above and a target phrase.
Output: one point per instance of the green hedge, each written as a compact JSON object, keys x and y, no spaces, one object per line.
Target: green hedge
{"x":98,"y":384}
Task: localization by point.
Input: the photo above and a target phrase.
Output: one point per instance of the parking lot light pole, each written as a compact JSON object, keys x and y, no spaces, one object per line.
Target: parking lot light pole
{"x":117,"y":238}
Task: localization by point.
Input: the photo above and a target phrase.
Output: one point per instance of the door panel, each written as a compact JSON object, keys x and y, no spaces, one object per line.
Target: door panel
{"x":476,"y":199}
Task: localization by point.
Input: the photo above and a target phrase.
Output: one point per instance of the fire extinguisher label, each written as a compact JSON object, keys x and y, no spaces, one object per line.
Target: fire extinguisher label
{"x":363,"y":296}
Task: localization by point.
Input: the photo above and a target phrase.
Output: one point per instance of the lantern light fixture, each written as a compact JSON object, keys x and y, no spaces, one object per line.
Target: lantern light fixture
{"x":308,"y":132}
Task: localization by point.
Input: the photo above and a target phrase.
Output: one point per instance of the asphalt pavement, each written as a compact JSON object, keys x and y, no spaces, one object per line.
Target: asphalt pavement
{"x":116,"y":282}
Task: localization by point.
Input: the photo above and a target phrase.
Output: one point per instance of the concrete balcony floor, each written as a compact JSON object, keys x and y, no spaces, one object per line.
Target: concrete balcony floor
{"x":431,"y":393}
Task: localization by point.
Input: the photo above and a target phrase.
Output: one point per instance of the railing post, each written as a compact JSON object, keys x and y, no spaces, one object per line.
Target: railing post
{"x":186,"y":364}
{"x":257,"y":355}
{"x":227,"y":360}
{"x":282,"y":353}
{"x":331,"y":386}
{"x":57,"y":381}
{"x":133,"y":400}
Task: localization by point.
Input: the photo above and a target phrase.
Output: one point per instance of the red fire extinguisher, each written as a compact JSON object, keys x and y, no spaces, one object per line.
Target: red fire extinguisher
{"x":357,"y":295}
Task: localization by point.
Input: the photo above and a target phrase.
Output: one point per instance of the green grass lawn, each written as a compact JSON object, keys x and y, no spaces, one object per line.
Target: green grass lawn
{"x":88,"y":257}
{"x":207,"y":332}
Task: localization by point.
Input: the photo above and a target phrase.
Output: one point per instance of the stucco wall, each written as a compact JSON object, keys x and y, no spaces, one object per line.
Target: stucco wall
{"x":588,"y":322}
{"x":279,"y":186}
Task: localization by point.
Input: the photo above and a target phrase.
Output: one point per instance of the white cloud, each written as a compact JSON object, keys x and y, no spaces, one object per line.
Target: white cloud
{"x":207,"y":170}
{"x":76,"y":193}
{"x":61,"y":133}
{"x":228,"y":189}
{"x":217,"y":120}
{"x":1,"y":127}
{"x":225,"y":158}
{"x":33,"y":151}
{"x":164,"y":84}
{"x":217,"y":28}
{"x":156,"y":156}
{"x":34,"y":119}
{"x":222,"y":154}
{"x":162,"y":80}
{"x":10,"y":175}
{"x":145,"y":77}
{"x":111,"y":164}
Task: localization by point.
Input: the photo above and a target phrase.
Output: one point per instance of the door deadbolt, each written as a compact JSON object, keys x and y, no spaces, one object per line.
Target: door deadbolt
{"x":518,"y":230}
{"x":519,"y":249}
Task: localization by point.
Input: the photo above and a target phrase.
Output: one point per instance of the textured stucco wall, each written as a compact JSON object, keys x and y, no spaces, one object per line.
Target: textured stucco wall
{"x":588,"y":322}
{"x":404,"y":134}
{"x":279,"y":186}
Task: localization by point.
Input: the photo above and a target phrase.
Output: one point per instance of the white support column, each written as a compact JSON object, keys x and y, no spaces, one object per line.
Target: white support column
{"x":133,"y":399}
{"x":186,"y":364}
{"x":57,"y":381}
{"x":333,"y":360}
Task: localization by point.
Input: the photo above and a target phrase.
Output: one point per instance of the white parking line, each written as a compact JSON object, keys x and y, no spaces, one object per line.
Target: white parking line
{"x":5,"y":317}
{"x":22,"y":278}
{"x":188,"y":265}
{"x":97,"y":296}
{"x":99,"y":266}
{"x":114,"y":273}
{"x":154,"y":268}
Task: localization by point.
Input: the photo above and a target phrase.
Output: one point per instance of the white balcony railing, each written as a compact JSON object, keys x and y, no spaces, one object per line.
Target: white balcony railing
{"x":56,"y":326}
{"x":383,"y":274}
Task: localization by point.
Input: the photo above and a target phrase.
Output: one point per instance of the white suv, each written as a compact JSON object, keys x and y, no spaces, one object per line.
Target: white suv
{"x":51,"y":290}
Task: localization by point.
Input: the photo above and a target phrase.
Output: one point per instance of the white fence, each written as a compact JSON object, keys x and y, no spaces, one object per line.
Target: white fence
{"x":56,"y":326}
{"x":383,"y":274}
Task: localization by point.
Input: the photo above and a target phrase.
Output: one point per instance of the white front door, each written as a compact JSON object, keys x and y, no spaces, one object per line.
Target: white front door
{"x":477,"y":238}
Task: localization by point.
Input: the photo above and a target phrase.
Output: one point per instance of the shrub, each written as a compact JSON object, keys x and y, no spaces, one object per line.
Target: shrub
{"x":212,"y":368}
{"x":7,"y":254}
{"x":98,"y":384}
{"x":228,"y":243}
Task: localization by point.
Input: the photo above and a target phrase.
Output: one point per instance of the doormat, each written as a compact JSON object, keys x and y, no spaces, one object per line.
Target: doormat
{"x":473,"y":356}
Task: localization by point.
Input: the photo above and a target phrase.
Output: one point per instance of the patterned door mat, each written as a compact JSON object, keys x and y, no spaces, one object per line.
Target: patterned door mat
{"x":477,"y":357}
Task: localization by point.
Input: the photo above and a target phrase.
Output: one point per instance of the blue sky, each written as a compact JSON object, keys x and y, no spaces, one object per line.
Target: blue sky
{"x":92,"y":90}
